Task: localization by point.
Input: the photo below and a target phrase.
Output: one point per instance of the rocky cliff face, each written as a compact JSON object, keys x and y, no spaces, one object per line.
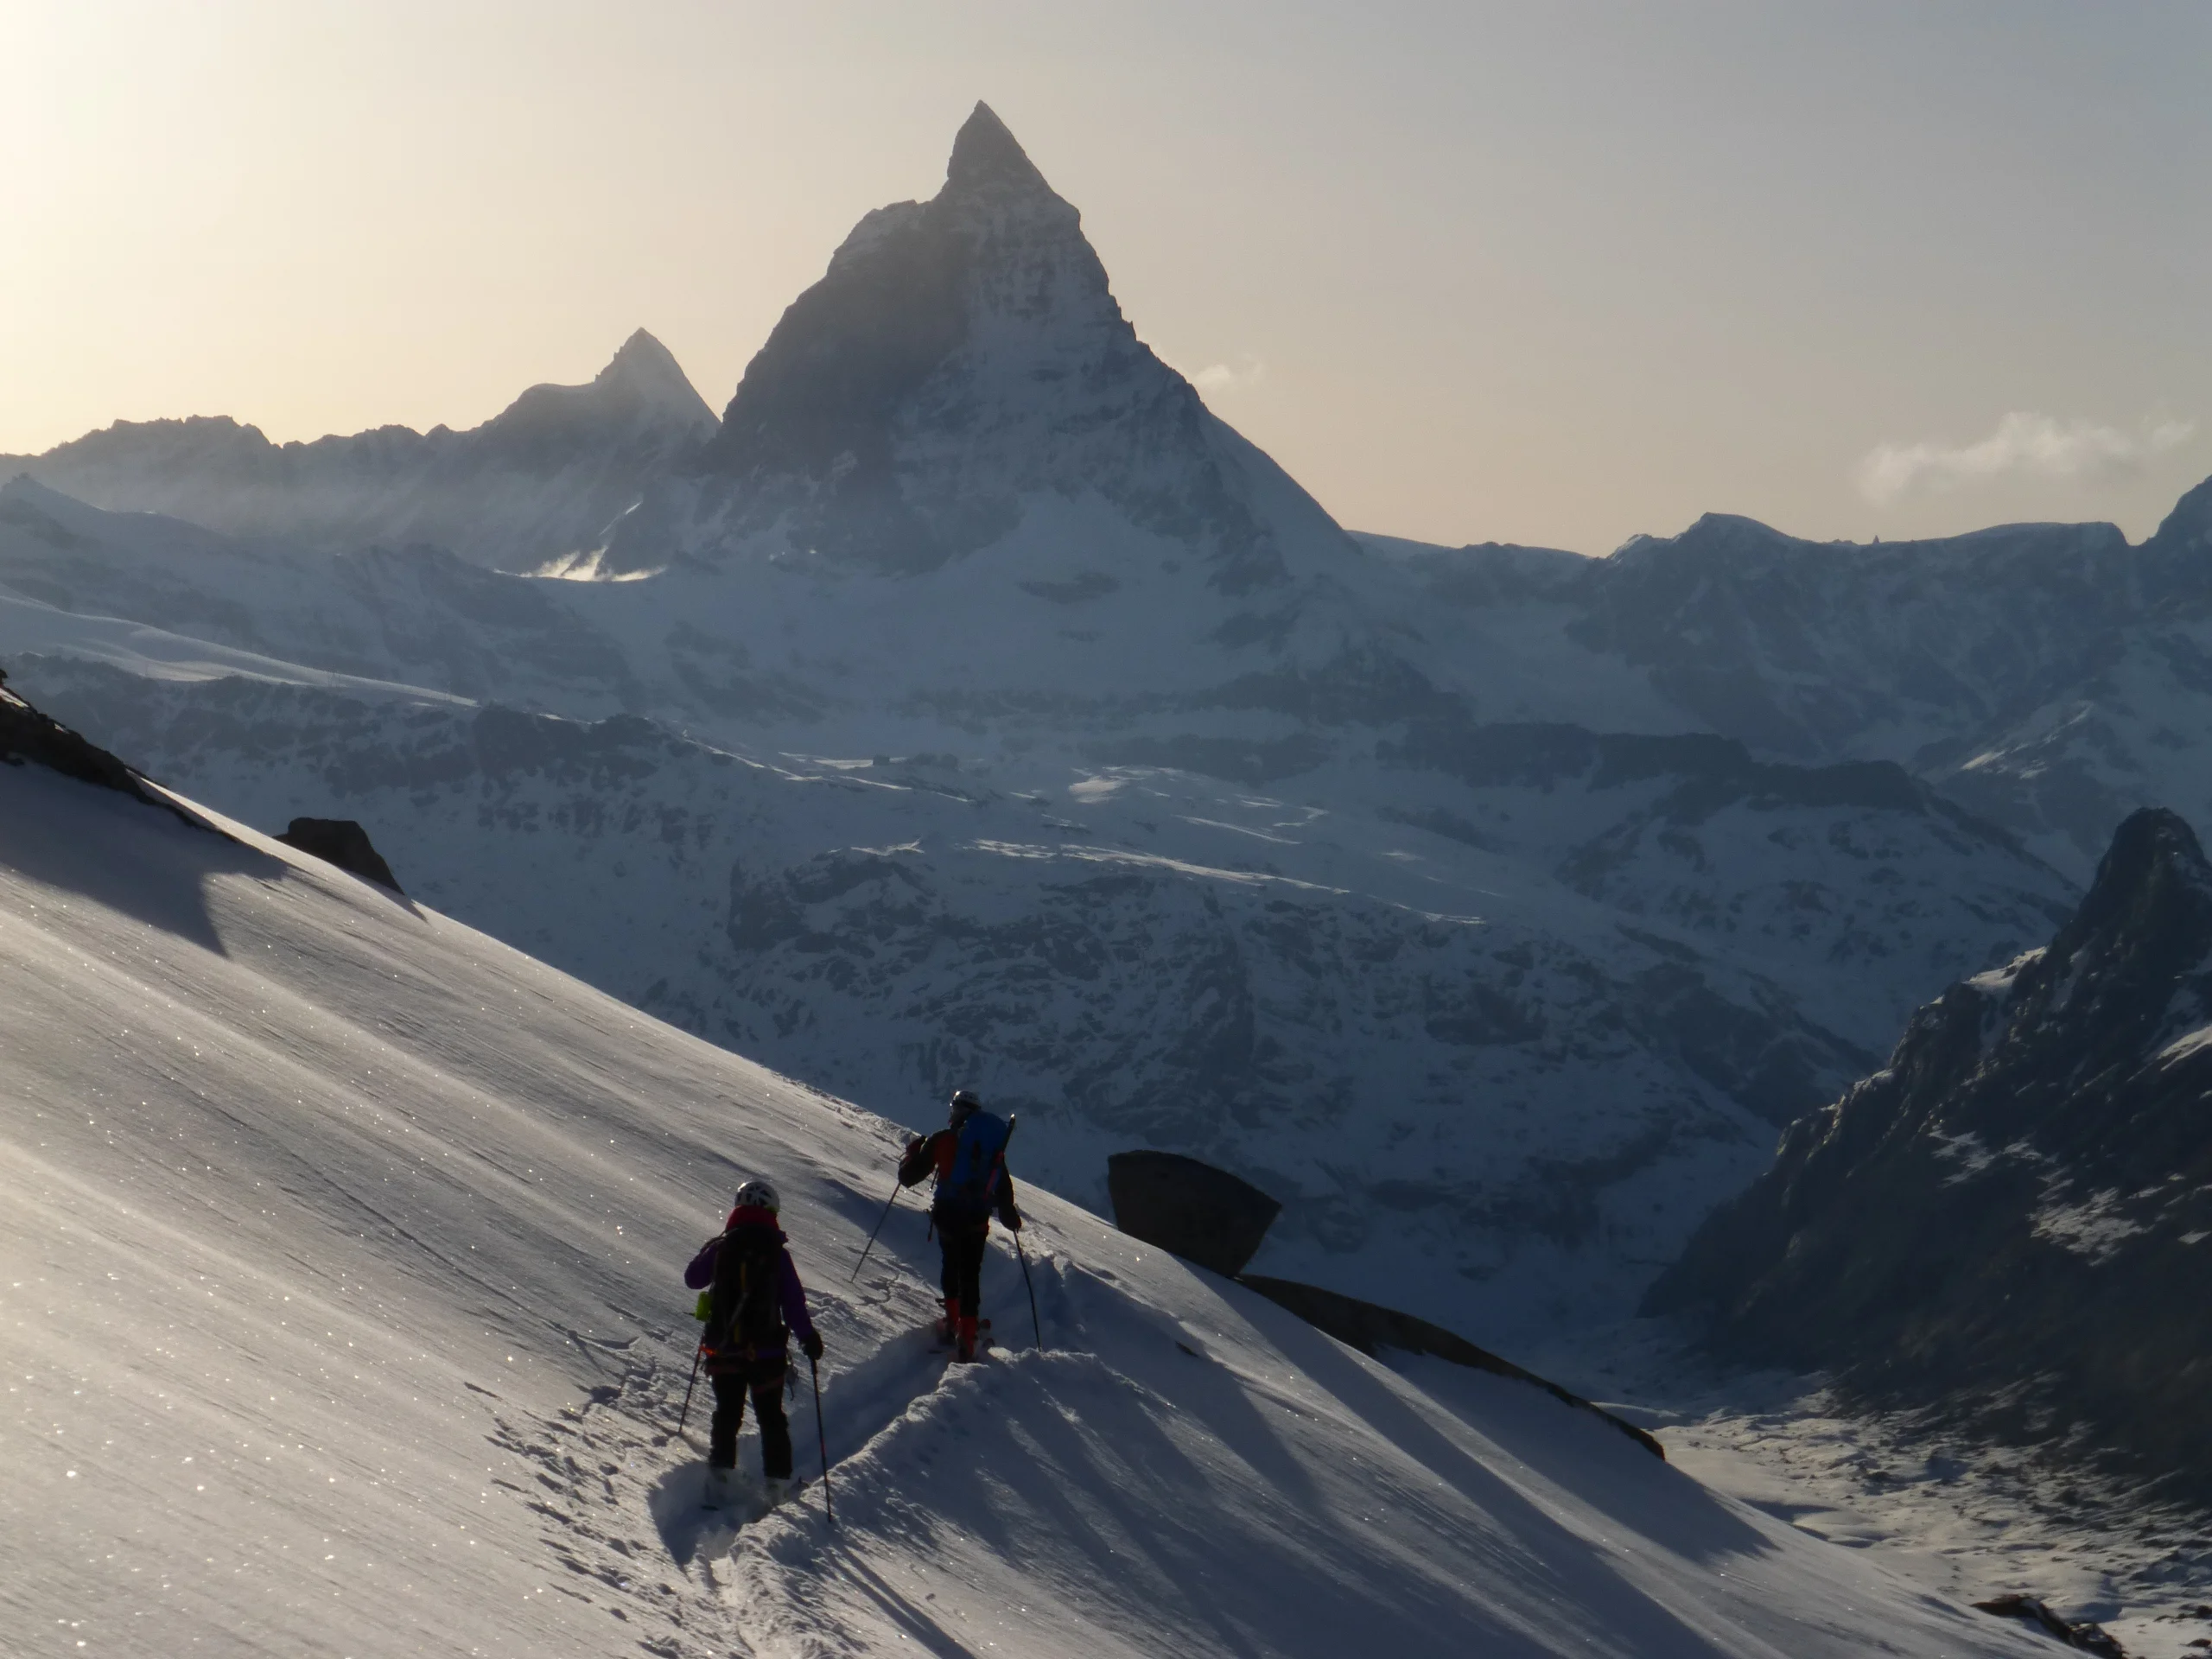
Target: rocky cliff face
{"x":2011,"y":1217}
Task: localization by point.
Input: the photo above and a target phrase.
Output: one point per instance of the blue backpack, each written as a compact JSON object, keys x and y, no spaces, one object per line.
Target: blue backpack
{"x":971,"y":1185}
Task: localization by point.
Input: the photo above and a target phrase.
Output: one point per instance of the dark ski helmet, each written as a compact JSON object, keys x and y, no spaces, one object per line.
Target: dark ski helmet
{"x":758,"y":1195}
{"x":963,"y":1105}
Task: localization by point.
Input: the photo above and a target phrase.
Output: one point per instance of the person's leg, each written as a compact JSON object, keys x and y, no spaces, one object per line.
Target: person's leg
{"x":729,"y":1415}
{"x":951,"y":1282}
{"x":971,"y":1246}
{"x":767,"y":1384}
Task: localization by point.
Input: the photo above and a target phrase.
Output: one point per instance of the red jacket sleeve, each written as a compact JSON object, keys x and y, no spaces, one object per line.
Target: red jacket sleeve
{"x":922,"y":1158}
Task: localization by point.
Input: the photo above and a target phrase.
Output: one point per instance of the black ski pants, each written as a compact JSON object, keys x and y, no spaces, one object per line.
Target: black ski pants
{"x":964,"y":1264}
{"x":762,"y":1379}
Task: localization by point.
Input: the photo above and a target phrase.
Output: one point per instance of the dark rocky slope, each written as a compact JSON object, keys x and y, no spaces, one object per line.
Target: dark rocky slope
{"x":2011,"y":1221}
{"x":29,"y":735}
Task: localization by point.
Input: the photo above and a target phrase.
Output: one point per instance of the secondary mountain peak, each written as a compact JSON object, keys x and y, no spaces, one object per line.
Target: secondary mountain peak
{"x":641,"y":364}
{"x":642,"y":385}
{"x":2145,"y":920}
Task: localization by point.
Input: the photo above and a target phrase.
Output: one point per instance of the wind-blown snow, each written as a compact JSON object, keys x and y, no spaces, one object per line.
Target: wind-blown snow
{"x":340,"y":1248}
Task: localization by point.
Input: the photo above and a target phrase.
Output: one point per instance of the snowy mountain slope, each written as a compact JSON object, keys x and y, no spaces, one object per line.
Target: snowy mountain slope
{"x":1502,"y":1097}
{"x":158,"y":654}
{"x":416,"y":615}
{"x":340,"y":1246}
{"x":538,"y":481}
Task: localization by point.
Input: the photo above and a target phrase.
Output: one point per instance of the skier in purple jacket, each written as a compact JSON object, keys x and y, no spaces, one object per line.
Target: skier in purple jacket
{"x":755,"y":1302}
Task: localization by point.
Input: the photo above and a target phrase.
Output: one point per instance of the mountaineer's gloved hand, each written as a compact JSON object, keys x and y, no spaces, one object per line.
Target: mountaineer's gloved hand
{"x":811,"y":1345}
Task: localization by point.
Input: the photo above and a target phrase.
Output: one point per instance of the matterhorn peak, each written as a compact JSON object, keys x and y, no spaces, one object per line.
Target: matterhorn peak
{"x":960,"y":371}
{"x":985,"y":155}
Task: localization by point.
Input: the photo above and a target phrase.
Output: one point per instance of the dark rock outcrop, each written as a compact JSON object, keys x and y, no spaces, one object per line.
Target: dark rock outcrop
{"x":2009,"y":1223}
{"x":1368,"y":1328}
{"x":28,"y":735}
{"x":343,"y":842}
{"x":1200,"y":1213}
{"x":2086,"y":1635}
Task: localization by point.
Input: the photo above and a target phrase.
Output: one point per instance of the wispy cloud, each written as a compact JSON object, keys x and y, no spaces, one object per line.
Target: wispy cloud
{"x":2023,"y":446}
{"x":1218,"y":377}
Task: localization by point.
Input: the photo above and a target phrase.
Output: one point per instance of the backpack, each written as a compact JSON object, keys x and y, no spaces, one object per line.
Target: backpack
{"x":971,"y":1184}
{"x":744,"y":1310}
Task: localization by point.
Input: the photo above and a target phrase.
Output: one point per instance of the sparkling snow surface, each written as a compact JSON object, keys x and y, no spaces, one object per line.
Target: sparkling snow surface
{"x":340,"y":1249}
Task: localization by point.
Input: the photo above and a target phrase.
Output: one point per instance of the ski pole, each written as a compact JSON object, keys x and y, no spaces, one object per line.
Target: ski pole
{"x":822,"y":1438}
{"x":688,"y":1386}
{"x":880,"y":1220}
{"x":1026,"y":1280}
{"x":998,"y":1168}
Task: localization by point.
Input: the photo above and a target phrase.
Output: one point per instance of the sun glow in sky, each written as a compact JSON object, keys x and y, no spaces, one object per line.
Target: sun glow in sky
{"x":1552,"y":273}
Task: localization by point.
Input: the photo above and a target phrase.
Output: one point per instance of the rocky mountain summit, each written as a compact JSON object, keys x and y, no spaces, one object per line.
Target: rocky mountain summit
{"x":2011,"y":1216}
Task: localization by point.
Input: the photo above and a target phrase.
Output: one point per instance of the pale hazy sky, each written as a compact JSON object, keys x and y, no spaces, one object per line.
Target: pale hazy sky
{"x":1547,"y":272}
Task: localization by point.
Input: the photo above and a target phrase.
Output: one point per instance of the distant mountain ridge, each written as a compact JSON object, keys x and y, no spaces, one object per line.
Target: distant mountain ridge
{"x":536,"y":482}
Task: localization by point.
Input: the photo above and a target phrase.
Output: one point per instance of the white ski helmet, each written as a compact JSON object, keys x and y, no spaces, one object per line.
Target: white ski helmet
{"x":964,"y":1104}
{"x":760,"y":1195}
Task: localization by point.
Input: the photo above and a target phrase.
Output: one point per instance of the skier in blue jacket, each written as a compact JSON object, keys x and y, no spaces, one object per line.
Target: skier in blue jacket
{"x":967,"y":1157}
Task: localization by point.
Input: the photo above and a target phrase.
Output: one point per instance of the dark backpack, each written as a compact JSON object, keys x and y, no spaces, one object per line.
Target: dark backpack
{"x":743,"y":1307}
{"x":971,"y":1186}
